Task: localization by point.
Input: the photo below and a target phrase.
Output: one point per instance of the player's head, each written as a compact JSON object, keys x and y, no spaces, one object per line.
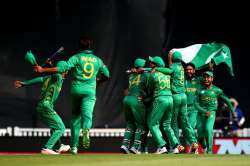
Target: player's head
{"x":85,"y":43}
{"x":176,"y":56}
{"x":190,"y":70}
{"x":208,"y":78}
{"x":156,"y":61}
{"x":139,"y":63}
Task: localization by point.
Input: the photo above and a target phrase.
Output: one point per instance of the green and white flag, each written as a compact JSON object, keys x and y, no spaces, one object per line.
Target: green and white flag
{"x":201,"y":54}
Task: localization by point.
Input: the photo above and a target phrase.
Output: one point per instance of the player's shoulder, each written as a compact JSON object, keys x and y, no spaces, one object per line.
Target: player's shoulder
{"x":216,"y":88}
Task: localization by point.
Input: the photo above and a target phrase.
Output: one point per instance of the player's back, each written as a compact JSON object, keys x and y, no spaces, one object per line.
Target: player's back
{"x":177,"y":79}
{"x":137,"y":84}
{"x":51,"y":88}
{"x":85,"y":66}
{"x":159,"y":83}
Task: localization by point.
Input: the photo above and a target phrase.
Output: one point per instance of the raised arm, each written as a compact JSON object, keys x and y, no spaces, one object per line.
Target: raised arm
{"x":170,"y":57}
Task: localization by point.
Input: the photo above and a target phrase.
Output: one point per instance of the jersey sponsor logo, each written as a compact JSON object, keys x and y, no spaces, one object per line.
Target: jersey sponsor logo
{"x":232,"y":146}
{"x":89,"y":59}
{"x":191,"y":89}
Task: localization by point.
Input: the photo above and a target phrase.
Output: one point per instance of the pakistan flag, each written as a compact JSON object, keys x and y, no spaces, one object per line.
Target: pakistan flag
{"x":202,"y":54}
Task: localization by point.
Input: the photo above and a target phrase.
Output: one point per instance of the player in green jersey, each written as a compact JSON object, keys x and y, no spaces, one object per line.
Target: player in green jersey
{"x":51,"y":87}
{"x":135,"y":110}
{"x":192,"y":84}
{"x":86,"y":67}
{"x":207,"y":104}
{"x":161,"y":113}
{"x":180,"y":101}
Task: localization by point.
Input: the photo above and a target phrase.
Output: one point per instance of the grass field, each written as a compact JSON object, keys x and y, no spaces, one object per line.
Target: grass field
{"x":124,"y":160}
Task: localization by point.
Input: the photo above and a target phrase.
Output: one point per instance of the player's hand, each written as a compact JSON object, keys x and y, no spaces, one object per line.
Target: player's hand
{"x":133,"y":70}
{"x":207,"y":113}
{"x":18,"y":84}
{"x":140,"y":70}
{"x":49,"y":62}
{"x":211,"y":66}
{"x":38,"y":69}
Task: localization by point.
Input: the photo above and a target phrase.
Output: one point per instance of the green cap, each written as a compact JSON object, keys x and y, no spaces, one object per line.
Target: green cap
{"x":209,"y":73}
{"x":139,"y":62}
{"x":177,"y":56}
{"x":157,"y":60}
{"x":30,"y":58}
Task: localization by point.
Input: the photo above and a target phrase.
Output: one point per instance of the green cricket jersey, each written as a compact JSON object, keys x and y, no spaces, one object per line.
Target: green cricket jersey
{"x":191,"y":86}
{"x":207,"y":99}
{"x":86,"y":66}
{"x":138,"y":84}
{"x":159,"y":84}
{"x":51,"y":88}
{"x":177,"y":78}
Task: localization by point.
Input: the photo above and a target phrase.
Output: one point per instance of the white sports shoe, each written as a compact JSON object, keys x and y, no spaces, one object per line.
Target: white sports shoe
{"x":124,"y":149}
{"x":49,"y":151}
{"x":176,"y":151}
{"x":161,"y":150}
{"x":73,"y":150}
{"x":134,"y":150}
{"x":63,"y":148}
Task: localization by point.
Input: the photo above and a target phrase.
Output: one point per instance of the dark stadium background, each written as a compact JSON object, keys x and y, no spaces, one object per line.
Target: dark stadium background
{"x":122,"y":30}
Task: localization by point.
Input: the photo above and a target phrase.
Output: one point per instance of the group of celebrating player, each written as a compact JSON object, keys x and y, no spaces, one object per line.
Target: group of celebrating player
{"x":158,"y":100}
{"x":161,"y":99}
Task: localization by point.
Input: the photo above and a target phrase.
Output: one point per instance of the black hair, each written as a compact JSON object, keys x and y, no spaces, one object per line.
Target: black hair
{"x":85,"y":43}
{"x":190,"y":64}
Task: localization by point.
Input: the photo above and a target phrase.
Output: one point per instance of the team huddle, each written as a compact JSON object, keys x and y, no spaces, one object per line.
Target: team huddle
{"x":159,"y":100}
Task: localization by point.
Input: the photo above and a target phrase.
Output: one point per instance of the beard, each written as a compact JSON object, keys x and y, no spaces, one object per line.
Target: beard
{"x":207,"y":83}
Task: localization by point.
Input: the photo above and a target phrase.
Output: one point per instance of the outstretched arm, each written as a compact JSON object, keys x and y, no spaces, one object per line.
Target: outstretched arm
{"x":166,"y":71}
{"x":39,"y":69}
{"x":61,"y":67}
{"x":19,"y":84}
